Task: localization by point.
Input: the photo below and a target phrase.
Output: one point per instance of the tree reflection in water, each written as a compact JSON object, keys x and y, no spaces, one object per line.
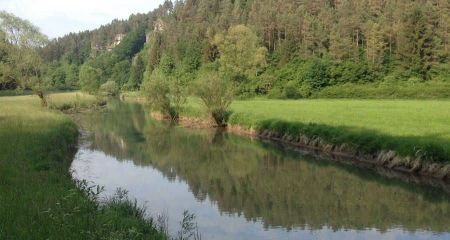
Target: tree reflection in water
{"x":262,"y":182}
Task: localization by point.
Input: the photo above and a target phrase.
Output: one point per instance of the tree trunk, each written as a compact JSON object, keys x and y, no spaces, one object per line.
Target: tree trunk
{"x":43,"y":98}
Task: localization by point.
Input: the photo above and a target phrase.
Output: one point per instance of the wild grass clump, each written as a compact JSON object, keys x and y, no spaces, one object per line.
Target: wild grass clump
{"x":74,"y":101}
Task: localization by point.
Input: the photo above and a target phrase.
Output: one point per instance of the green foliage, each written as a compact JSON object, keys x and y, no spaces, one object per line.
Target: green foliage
{"x":131,"y":44}
{"x":136,"y":74}
{"x":353,"y":72}
{"x":418,"y":41}
{"x":155,"y":51}
{"x":165,"y":93}
{"x":291,"y":90}
{"x":22,"y":65}
{"x":191,"y":58}
{"x":216,"y":94}
{"x":338,"y":42}
{"x":240,"y":54}
{"x":121,"y":73}
{"x":61,"y":76}
{"x":109,"y":88}
{"x":20,"y":32}
{"x":6,"y":68}
{"x":56,"y":77}
{"x":166,"y":65}
{"x":317,"y":76}
{"x":105,"y":62}
{"x":90,"y":79}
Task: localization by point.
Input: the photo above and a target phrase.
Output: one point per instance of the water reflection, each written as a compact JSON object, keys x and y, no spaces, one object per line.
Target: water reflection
{"x":246,"y":189}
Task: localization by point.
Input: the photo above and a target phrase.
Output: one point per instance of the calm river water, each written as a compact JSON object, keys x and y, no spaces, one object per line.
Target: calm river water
{"x":240,"y":188}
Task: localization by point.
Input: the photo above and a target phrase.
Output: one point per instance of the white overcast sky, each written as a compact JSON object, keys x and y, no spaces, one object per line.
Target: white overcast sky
{"x":59,"y":17}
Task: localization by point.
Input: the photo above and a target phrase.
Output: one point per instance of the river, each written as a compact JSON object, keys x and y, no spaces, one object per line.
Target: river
{"x":241,"y":188}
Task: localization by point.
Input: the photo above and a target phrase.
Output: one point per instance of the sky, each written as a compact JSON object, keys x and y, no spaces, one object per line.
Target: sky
{"x":56,"y":18}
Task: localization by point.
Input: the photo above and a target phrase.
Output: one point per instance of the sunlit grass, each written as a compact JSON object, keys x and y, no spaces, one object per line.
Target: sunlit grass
{"x":393,"y":117}
{"x":403,"y":125}
{"x":38,"y":199}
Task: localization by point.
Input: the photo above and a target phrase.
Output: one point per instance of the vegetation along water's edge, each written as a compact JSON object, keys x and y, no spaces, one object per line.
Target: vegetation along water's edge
{"x":401,"y":152}
{"x":39,"y":198}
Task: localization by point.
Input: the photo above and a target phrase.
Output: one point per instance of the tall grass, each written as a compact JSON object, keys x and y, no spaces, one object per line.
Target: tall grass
{"x":38,"y":198}
{"x":73,"y":101}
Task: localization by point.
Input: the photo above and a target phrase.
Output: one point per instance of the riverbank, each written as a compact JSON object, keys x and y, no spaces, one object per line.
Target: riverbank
{"x":409,"y":136}
{"x":39,"y":199}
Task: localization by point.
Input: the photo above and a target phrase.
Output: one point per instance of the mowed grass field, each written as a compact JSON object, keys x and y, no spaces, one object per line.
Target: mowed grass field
{"x":407,"y":126}
{"x":393,"y":117}
{"x":38,"y":199}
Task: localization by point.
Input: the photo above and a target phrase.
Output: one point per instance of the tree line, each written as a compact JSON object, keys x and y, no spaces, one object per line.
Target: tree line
{"x":282,"y":48}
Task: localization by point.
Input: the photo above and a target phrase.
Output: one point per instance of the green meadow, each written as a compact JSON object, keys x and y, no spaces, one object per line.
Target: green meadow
{"x":39,"y":199}
{"x":410,"y":127}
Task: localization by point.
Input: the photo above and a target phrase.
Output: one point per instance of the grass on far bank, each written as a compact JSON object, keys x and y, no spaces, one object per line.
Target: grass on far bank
{"x":386,"y":90}
{"x":38,"y":198}
{"x":410,"y":127}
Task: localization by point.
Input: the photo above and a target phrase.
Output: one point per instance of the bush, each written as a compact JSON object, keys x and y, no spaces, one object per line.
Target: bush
{"x":291,"y":90}
{"x":216,"y":94}
{"x":90,"y":79}
{"x":318,"y":76}
{"x":164,"y":93}
{"x":109,"y":89}
{"x":121,"y":72}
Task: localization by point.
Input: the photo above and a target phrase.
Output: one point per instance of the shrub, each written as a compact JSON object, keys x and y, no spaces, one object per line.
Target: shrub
{"x":90,"y":79}
{"x":291,"y":90}
{"x":216,"y":94}
{"x":318,"y":76}
{"x":164,"y":93}
{"x":109,"y":89}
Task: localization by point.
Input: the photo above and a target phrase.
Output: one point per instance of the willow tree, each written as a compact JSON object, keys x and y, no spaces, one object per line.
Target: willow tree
{"x":24,"y":63}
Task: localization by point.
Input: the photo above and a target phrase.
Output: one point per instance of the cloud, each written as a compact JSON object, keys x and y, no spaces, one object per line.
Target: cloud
{"x":59,"y":17}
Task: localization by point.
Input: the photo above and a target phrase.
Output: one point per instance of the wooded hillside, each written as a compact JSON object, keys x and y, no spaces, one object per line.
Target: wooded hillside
{"x":308,"y":45}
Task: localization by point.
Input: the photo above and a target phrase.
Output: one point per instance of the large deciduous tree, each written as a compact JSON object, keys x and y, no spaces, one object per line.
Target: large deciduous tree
{"x":240,"y":53}
{"x":23,"y":64}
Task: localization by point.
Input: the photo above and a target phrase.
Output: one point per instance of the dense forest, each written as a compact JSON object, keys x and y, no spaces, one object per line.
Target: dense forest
{"x":281,"y":48}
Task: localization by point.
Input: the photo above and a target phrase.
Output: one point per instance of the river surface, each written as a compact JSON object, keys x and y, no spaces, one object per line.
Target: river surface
{"x":240,"y":188}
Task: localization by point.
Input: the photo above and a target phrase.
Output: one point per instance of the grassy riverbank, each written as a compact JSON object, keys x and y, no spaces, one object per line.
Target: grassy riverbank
{"x":410,"y":127}
{"x":38,"y":199}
